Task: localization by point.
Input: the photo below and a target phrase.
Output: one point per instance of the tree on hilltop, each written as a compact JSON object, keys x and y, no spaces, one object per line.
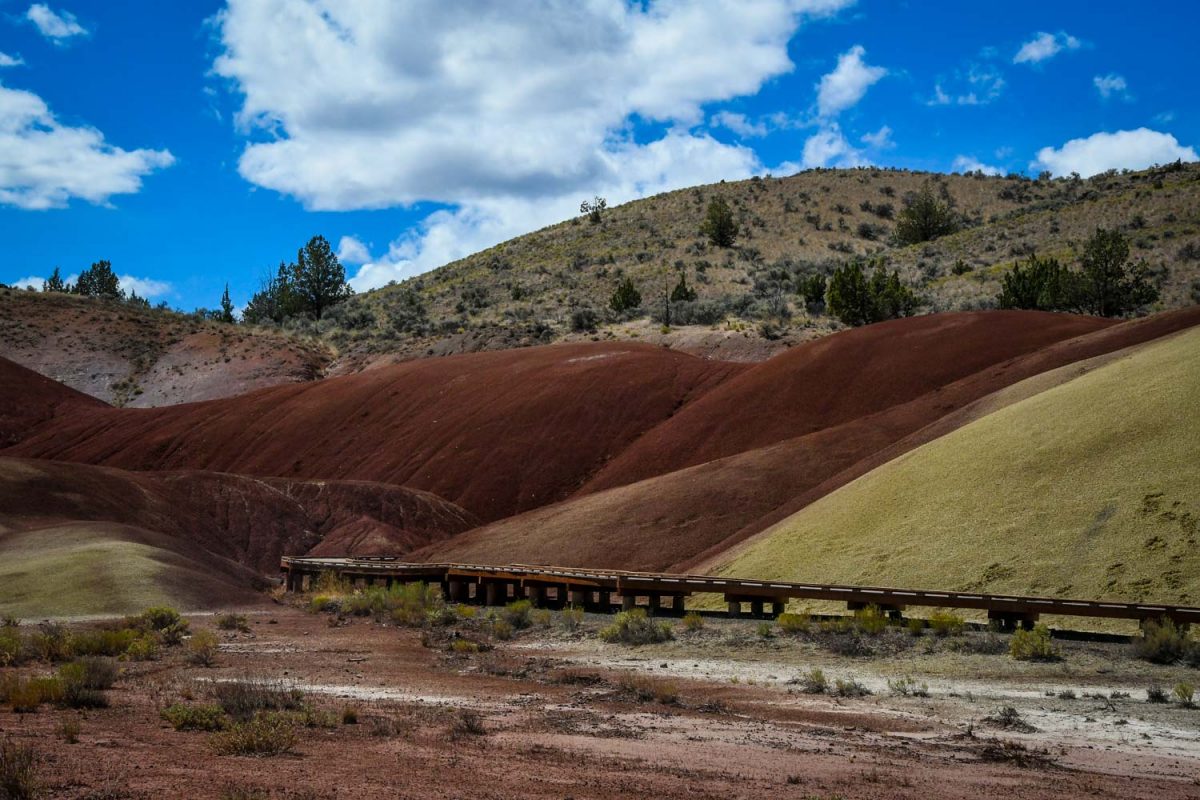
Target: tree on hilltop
{"x":99,"y":280}
{"x":55,"y":282}
{"x":924,"y":217}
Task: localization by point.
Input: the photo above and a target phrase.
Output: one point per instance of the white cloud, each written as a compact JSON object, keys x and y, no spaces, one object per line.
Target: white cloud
{"x":56,"y":26}
{"x":352,"y":251}
{"x":846,"y":85}
{"x":28,"y":282}
{"x":738,"y":124}
{"x":490,"y":108}
{"x":43,"y":164}
{"x":979,"y":85}
{"x":144,"y":287}
{"x":1099,"y":152}
{"x":1112,"y":85}
{"x":1045,"y":45}
{"x":971,"y":164}
{"x":10,"y":61}
{"x":880,"y":139}
{"x":829,"y":147}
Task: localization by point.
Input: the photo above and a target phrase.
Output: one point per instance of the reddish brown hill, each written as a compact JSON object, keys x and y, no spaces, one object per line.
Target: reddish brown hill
{"x":834,"y":380}
{"x":676,"y":520}
{"x":497,"y":432}
{"x":250,"y":521}
{"x":28,"y":399}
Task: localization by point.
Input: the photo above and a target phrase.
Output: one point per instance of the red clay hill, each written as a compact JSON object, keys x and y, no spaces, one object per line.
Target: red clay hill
{"x":615,"y":454}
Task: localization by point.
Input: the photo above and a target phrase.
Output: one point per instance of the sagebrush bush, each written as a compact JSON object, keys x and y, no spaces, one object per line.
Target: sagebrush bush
{"x":12,"y":648}
{"x":90,"y":672}
{"x":518,"y":614}
{"x":53,"y":642}
{"x":464,"y":646}
{"x":692,"y":621}
{"x":1033,"y":645}
{"x":207,"y":717}
{"x":946,"y":623}
{"x":1161,"y":642}
{"x":571,"y":617}
{"x":502,"y":629}
{"x":144,"y":648}
{"x":201,"y":649}
{"x":849,"y":688}
{"x":18,"y":772}
{"x":26,"y":694}
{"x":243,"y":699}
{"x":871,"y":620}
{"x":634,"y":627}
{"x":162,"y":620}
{"x":647,"y":689}
{"x":467,"y":723}
{"x":906,"y":686}
{"x":102,"y":642}
{"x":1185,"y":694}
{"x":269,"y":733}
{"x":813,"y":682}
{"x":795,"y":623}
{"x":233,"y":622}
{"x":324,"y":602}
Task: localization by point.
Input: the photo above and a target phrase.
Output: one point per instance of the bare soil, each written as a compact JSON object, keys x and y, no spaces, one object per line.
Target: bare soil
{"x":561,"y":717}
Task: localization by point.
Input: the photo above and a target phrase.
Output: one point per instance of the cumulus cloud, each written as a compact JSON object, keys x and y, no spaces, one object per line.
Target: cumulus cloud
{"x":972,"y":164}
{"x":1136,"y":149}
{"x":1044,"y":46}
{"x":848,"y":83}
{"x":739,"y":124}
{"x":43,"y":164}
{"x":352,"y":251}
{"x":144,"y":287}
{"x":58,"y":26}
{"x":829,"y":147}
{"x":10,"y":61}
{"x":28,"y":282}
{"x":1111,"y":85}
{"x":490,"y":108}
{"x":880,"y":139}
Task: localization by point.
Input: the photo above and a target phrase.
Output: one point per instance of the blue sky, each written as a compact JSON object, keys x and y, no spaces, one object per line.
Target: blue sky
{"x":202,"y":142}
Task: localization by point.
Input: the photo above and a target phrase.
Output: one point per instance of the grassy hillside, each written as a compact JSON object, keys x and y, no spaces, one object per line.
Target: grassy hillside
{"x":524,"y":291}
{"x":1087,"y":489}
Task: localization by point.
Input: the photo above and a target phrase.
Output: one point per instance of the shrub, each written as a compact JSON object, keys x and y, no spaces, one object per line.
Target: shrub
{"x":502,"y":629}
{"x":11,"y":646}
{"x":18,"y":772}
{"x":465,"y":611}
{"x":571,"y":617}
{"x":102,"y":642}
{"x":915,"y":626}
{"x":542,"y":617}
{"x":162,"y":620}
{"x":90,"y":672}
{"x":765,"y":630}
{"x":634,"y":628}
{"x":794,"y":623}
{"x":243,"y":699}
{"x":908,"y":686}
{"x":350,"y":715}
{"x":1161,"y":642}
{"x":849,"y":688}
{"x":647,"y":689}
{"x":267,"y":734}
{"x":518,"y":613}
{"x":1184,"y":694}
{"x":26,"y":695}
{"x":143,"y":648}
{"x":924,"y":217}
{"x":323,"y":602}
{"x":693,"y":622}
{"x":202,"y":648}
{"x":209,"y":717}
{"x":52,"y":642}
{"x":813,"y":682}
{"x":467,"y":723}
{"x":1034,"y":645}
{"x":464,"y":646}
{"x":870,"y":620}
{"x":947,"y":623}
{"x":415,"y":604}
{"x":1156,"y":694}
{"x":233,"y":622}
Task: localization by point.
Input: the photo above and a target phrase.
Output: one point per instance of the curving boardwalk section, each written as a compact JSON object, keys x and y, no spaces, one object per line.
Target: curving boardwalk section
{"x":601,"y":590}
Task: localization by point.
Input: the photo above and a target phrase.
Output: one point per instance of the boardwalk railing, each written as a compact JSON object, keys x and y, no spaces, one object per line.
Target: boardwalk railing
{"x":601,"y":590}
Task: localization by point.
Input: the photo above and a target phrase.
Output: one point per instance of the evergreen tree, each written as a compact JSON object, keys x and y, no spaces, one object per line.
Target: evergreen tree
{"x":719,"y":225}
{"x":99,"y":280}
{"x":855,"y":299}
{"x":55,"y":283}
{"x":625,"y":296}
{"x":924,"y":217}
{"x":319,"y":281}
{"x":226,"y":306}
{"x":1109,"y":285}
{"x":1042,"y":284}
{"x":682,"y":292}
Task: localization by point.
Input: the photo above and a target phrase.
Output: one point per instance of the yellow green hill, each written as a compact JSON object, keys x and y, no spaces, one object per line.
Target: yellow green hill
{"x":1089,"y":489}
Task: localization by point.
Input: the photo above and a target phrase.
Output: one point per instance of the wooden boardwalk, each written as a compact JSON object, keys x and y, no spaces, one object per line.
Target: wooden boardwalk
{"x":665,"y":593}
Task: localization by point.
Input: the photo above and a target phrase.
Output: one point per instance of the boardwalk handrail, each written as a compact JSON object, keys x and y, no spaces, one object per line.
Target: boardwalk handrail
{"x":631,"y":583}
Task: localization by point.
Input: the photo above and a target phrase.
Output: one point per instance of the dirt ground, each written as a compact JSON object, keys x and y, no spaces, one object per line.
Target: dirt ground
{"x":562,"y":717}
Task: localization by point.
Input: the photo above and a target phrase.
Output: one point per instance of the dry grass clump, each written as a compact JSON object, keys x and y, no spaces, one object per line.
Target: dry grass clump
{"x":692,"y":622}
{"x":207,"y":717}
{"x":467,"y":722}
{"x":1033,"y":645}
{"x":946,"y":623}
{"x":233,"y":622}
{"x":812,"y":682}
{"x":201,"y":648}
{"x":646,"y":689}
{"x":18,"y":772}
{"x":794,"y":623}
{"x":635,"y":628}
{"x":268,"y":733}
{"x":243,"y":699}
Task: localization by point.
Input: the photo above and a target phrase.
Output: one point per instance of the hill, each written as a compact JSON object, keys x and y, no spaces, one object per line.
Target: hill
{"x":683,"y":516}
{"x":526,"y":291}
{"x":76,"y":538}
{"x":28,"y":399}
{"x":1083,"y":489}
{"x":131,"y":356}
{"x":496,"y":433}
